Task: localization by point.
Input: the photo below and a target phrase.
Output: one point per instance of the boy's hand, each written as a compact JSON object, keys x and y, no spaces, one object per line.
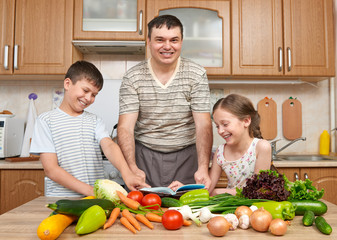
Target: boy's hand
{"x":135,"y":182}
{"x":139,"y":173}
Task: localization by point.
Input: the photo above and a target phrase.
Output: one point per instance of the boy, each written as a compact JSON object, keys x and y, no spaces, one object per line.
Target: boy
{"x":69,"y":139}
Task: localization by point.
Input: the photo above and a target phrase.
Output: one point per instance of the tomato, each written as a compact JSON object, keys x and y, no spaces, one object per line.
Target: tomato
{"x":172,"y":220}
{"x":136,"y":195}
{"x":151,"y":199}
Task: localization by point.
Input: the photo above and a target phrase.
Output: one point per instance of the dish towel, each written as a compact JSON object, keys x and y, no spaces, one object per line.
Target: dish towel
{"x":31,"y":116}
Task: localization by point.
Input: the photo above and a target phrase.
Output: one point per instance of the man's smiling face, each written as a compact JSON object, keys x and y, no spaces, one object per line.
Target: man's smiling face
{"x":165,"y":45}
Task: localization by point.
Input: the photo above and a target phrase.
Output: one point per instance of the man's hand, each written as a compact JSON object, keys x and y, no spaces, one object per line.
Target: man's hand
{"x":175,"y":185}
{"x":202,"y":177}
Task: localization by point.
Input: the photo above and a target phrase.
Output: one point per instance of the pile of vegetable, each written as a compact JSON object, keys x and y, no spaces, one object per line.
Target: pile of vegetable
{"x":267,"y":203}
{"x":101,"y":211}
{"x":268,"y":184}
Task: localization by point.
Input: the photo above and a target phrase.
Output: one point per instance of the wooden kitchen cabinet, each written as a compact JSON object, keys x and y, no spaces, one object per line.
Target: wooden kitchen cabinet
{"x":113,"y":20}
{"x":19,"y":186}
{"x":206,"y":30}
{"x":223,"y":181}
{"x":283,"y":38}
{"x":322,"y":177}
{"x":36,"y":37}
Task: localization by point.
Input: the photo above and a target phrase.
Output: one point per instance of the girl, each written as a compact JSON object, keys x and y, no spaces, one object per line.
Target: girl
{"x":245,"y":152}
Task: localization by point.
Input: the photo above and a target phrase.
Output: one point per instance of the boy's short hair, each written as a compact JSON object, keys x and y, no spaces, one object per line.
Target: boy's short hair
{"x":83,"y":69}
{"x":168,"y":20}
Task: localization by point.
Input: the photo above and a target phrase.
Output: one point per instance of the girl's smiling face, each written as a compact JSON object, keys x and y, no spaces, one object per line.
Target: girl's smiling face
{"x":229,"y":126}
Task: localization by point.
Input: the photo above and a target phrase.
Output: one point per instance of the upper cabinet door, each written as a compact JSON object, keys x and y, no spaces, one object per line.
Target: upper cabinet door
{"x":308,"y":38}
{"x":257,"y":37}
{"x":7,"y":8}
{"x":109,"y":19}
{"x":305,"y":47}
{"x":206,"y":30}
{"x":43,"y":35}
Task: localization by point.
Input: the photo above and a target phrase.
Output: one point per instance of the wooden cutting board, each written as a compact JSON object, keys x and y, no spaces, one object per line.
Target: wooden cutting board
{"x":292,"y":119}
{"x":268,"y":113}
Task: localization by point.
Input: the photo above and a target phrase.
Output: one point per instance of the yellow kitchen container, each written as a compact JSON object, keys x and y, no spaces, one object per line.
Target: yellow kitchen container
{"x":324,"y":143}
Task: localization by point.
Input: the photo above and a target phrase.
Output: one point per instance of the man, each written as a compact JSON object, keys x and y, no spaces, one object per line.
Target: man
{"x":164,"y":106}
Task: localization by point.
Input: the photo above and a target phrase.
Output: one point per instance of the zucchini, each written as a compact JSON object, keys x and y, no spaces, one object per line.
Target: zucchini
{"x":322,"y":225}
{"x":77,"y":207}
{"x":170,"y":202}
{"x":308,"y":218}
{"x":317,"y":207}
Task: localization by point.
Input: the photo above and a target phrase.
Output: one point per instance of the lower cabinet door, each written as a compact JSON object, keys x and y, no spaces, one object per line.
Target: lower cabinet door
{"x":19,"y":187}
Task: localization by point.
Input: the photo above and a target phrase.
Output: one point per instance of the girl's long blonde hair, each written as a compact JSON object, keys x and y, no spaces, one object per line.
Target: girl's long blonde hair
{"x":242,"y":108}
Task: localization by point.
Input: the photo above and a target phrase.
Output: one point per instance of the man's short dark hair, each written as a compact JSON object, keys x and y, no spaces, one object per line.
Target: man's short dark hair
{"x":168,"y":20}
{"x":83,"y":69}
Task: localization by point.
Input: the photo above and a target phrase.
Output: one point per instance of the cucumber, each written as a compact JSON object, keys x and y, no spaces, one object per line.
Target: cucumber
{"x":308,"y":218}
{"x":170,"y":202}
{"x":77,"y":207}
{"x":322,"y":225}
{"x":317,"y":207}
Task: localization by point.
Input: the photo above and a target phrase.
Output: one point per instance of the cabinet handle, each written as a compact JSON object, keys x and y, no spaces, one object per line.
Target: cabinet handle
{"x":280,"y":59}
{"x":296,"y":176}
{"x":6,"y":57}
{"x":306,"y":176}
{"x":289,"y":58}
{"x":16,"y":49}
{"x":140,"y":22}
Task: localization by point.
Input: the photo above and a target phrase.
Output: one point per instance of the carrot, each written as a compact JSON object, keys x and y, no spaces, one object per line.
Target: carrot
{"x":113,"y":216}
{"x":187,"y":222}
{"x":141,"y":218}
{"x":131,"y":219}
{"x":128,"y":201}
{"x":153,"y":217}
{"x":127,"y":224}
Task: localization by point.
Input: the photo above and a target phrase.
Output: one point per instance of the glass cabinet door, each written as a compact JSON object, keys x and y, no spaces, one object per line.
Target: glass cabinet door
{"x":206,"y":31}
{"x":109,"y":19}
{"x":202,"y":35}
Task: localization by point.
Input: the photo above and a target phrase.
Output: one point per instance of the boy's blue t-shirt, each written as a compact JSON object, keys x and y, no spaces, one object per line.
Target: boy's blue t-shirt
{"x":75,"y":140}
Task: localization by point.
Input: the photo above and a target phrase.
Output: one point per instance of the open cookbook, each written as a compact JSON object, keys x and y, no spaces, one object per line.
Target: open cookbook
{"x":169,"y":192}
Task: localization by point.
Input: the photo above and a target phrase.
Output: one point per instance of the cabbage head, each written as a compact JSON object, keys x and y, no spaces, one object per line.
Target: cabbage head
{"x":106,"y":189}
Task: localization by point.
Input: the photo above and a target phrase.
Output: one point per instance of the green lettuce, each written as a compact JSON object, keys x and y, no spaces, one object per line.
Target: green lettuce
{"x":304,"y":190}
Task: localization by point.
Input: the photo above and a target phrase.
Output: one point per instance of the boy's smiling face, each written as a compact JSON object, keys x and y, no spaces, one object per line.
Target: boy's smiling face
{"x":78,"y":96}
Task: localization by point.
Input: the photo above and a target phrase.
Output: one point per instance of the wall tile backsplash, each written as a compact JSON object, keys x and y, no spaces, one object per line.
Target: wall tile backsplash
{"x":314,"y":99}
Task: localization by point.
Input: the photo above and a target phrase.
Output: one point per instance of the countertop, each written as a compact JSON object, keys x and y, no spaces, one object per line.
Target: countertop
{"x":22,"y":223}
{"x":321,"y":163}
{"x":37,"y":164}
{"x":20,"y":165}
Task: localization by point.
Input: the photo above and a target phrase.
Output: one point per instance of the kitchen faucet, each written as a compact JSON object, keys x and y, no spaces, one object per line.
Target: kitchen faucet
{"x":273,"y":146}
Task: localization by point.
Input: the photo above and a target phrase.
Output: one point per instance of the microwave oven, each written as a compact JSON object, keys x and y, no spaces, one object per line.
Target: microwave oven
{"x":11,"y":136}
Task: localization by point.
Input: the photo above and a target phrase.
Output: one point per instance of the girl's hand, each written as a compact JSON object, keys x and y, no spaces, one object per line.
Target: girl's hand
{"x":175,"y":185}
